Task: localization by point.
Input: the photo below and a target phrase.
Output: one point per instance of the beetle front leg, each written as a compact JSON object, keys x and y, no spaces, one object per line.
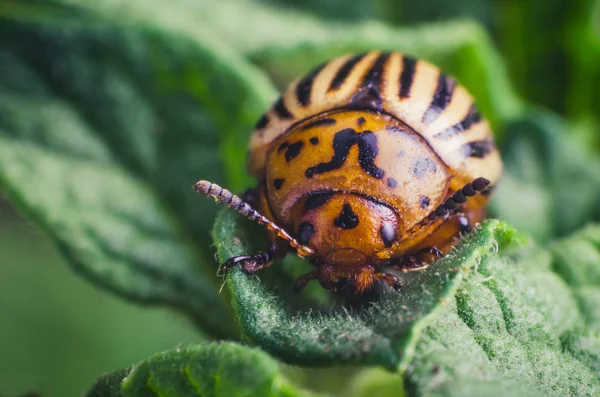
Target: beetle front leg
{"x":390,"y":279}
{"x":249,"y":264}
{"x":301,"y":282}
{"x":418,"y":260}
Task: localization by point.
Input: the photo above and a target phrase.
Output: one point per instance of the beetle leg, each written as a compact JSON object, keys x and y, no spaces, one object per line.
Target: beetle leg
{"x":390,"y":279}
{"x":417,"y":261}
{"x":433,"y":250}
{"x":303,"y":280}
{"x":411,"y":264}
{"x":249,"y":264}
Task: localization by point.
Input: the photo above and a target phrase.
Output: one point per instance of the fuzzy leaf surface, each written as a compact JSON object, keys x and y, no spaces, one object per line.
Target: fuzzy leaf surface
{"x":104,"y":127}
{"x":210,"y":370}
{"x":383,"y":335}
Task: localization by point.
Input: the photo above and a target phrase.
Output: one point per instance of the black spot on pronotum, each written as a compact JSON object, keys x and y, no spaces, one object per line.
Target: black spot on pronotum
{"x":277,"y":183}
{"x":305,"y":233}
{"x":391,"y":182}
{"x":441,"y":98}
{"x":293,"y":150}
{"x":281,"y":110}
{"x":316,"y":200}
{"x":262,"y":122}
{"x":422,"y":166}
{"x":360,"y":121}
{"x":318,"y":123}
{"x":407,"y":76}
{"x":283,"y":146}
{"x":347,"y":218}
{"x":304,"y":87}
{"x":424,"y":201}
{"x":344,"y":71}
{"x":388,"y":234}
{"x":472,"y":117}
{"x":477,"y":149}
{"x":314,"y":140}
{"x":342,"y":142}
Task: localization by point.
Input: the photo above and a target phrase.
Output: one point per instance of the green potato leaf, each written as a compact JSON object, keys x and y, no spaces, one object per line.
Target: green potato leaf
{"x":104,"y":127}
{"x":209,"y":370}
{"x":551,"y":184}
{"x":383,"y":335}
{"x":516,"y":328}
{"x":109,"y":111}
{"x":288,"y":43}
{"x":577,"y":261}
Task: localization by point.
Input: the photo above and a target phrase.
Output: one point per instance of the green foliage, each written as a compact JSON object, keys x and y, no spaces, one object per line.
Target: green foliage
{"x":103,"y":128}
{"x":211,"y":370}
{"x":110,"y":111}
{"x":515,"y":329}
{"x":384,"y":335}
{"x":577,"y":259}
{"x":551,"y":185}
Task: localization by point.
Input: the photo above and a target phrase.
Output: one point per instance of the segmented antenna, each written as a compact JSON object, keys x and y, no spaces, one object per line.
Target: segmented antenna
{"x":237,"y":204}
{"x":450,"y":206}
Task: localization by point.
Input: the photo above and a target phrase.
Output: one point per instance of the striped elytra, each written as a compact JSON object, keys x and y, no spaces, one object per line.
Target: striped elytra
{"x":369,"y":162}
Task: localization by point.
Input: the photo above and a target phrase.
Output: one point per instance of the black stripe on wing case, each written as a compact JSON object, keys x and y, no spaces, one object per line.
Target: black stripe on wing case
{"x":441,"y":98}
{"x":407,"y":76}
{"x":262,"y":122}
{"x":304,"y":87}
{"x":478,"y":149}
{"x":472,"y":117}
{"x":373,"y":77}
{"x":369,"y":93}
{"x":281,"y":110}
{"x":344,"y":71}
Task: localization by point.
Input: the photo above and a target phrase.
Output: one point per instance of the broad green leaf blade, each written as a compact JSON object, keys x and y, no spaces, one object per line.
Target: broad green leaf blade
{"x":551,"y":185}
{"x":513,"y":329}
{"x":385,"y":335}
{"x":577,"y":261}
{"x":109,"y":384}
{"x":208,"y":370}
{"x":289,"y":43}
{"x":104,"y":128}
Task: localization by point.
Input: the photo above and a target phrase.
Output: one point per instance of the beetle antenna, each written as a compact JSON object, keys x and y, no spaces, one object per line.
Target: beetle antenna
{"x":450,"y":206}
{"x":237,"y":204}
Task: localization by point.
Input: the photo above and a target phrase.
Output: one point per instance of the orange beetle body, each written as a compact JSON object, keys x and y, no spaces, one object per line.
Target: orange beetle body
{"x":368,"y":162}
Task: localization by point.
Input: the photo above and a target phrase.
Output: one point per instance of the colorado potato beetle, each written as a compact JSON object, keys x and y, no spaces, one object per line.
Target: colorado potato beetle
{"x":370,"y":162}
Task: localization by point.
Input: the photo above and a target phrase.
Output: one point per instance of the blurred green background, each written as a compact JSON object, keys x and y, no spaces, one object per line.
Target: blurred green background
{"x":58,"y":333}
